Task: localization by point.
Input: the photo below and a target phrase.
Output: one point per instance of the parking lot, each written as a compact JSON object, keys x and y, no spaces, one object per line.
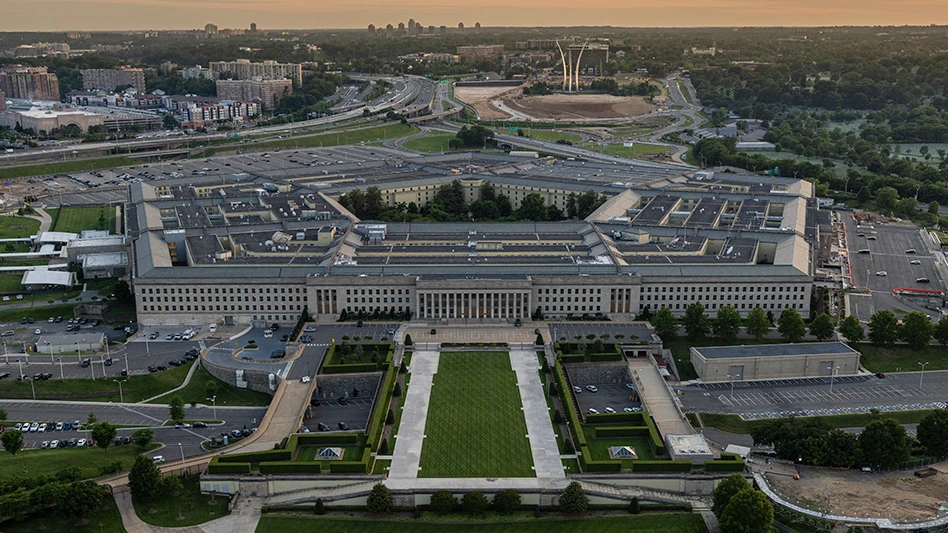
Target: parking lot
{"x":617,"y":397}
{"x":631,"y":332}
{"x":355,"y":413}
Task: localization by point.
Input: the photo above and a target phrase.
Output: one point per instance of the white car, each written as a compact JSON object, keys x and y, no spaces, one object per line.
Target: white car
{"x":577,"y":390}
{"x":592,"y":388}
{"x":158,"y":458}
{"x":6,"y":298}
{"x":81,"y":443}
{"x":630,"y":386}
{"x":610,"y":410}
{"x":42,"y":428}
{"x":54,"y":444}
{"x":915,"y":262}
{"x":44,"y":444}
{"x":628,"y":410}
{"x":305,"y":379}
{"x":19,"y":296}
{"x":18,"y":426}
{"x":34,"y":427}
{"x":309,"y":329}
{"x":882,"y":273}
{"x":38,"y":331}
{"x":593,"y":411}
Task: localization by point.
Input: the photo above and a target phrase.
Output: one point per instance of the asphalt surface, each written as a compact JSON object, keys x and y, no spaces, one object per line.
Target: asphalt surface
{"x":632,"y":332}
{"x":814,"y":396}
{"x":617,"y":397}
{"x":355,"y":414}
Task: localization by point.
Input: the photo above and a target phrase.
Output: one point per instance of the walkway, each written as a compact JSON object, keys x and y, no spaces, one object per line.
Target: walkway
{"x":658,"y":399}
{"x":45,"y":221}
{"x":546,"y":455}
{"x":243,"y":519}
{"x":187,"y":379}
{"x":406,"y":458}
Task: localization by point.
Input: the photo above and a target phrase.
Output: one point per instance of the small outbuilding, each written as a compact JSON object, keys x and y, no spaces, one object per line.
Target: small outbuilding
{"x":774,"y":361}
{"x":692,"y":448}
{"x":68,"y":343}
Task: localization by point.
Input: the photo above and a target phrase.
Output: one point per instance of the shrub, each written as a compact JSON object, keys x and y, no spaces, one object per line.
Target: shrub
{"x":408,"y":341}
{"x":507,"y":501}
{"x":475,"y":503}
{"x":390,"y":419}
{"x":557,"y":417}
{"x":443,"y":502}
{"x":568,"y":447}
{"x":634,"y":506}
{"x":319,"y":508}
{"x":573,"y":499}
{"x":398,"y":390}
{"x":383,"y":447}
{"x":380,"y":499}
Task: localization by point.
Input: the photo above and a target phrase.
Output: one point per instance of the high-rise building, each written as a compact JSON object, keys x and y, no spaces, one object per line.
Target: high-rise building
{"x":431,"y":30}
{"x":389,"y":30}
{"x":210,"y":29}
{"x":417,"y":28}
{"x":107,"y":79}
{"x":461,"y":27}
{"x":444,"y":29}
{"x":3,"y":102}
{"x":371,"y":30}
{"x":477,"y":27}
{"x":411,"y":26}
{"x":253,"y":27}
{"x":31,"y":83}
{"x":243,"y":69}
{"x":268,"y":92}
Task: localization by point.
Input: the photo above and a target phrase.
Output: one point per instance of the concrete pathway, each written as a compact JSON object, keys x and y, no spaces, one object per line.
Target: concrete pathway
{"x":187,"y":379}
{"x":411,"y":431}
{"x":243,"y":519}
{"x":658,"y":399}
{"x":45,"y":221}
{"x":546,"y":454}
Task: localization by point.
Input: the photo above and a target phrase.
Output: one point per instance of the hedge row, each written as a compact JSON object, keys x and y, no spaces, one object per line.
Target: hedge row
{"x":621,"y":431}
{"x":661,"y":466}
{"x":617,"y":418}
{"x":729,"y":462}
{"x":597,"y":466}
{"x":605,"y":357}
{"x":658,"y":446}
{"x":572,"y":358}
{"x":350,"y":368}
{"x":257,"y":457}
{"x":320,"y":439}
{"x":374,"y":431}
{"x":338,"y":467}
{"x":216,"y":467}
{"x":291,"y":467}
{"x":571,"y":412}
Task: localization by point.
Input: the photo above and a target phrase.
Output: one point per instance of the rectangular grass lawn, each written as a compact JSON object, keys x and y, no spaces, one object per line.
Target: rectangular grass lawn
{"x":475,"y":426}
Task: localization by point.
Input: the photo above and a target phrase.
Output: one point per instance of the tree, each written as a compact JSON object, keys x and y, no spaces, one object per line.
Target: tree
{"x":383,"y":447}
{"x":82,"y":498}
{"x":210,"y":388}
{"x":933,"y":207}
{"x":696,"y":321}
{"x":726,"y":323}
{"x":864,"y":195}
{"x":665,"y":324}
{"x":507,"y":501}
{"x":143,"y":437}
{"x":176,"y":408}
{"x":443,"y":502}
{"x":822,"y":327}
{"x":916,"y":329}
{"x":532,"y":208}
{"x":757,"y":323}
{"x":104,"y":433}
{"x":791,"y":325}
{"x":474,"y":503}
{"x":172,"y":485}
{"x":12,"y":440}
{"x":3,"y":414}
{"x":884,"y":443}
{"x":940,"y":332}
{"x":144,"y":479}
{"x":852,"y":329}
{"x":91,"y":420}
{"x":634,"y":507}
{"x":726,"y":490}
{"x":883,"y":328}
{"x":749,"y":511}
{"x":839,"y":449}
{"x":932,"y":433}
{"x":886,"y":197}
{"x":390,"y":418}
{"x":380,"y":500}
{"x":573,"y":499}
{"x":319,"y":508}
{"x":408,"y":341}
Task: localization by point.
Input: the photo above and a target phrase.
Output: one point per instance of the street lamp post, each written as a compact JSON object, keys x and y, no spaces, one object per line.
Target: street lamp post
{"x":738,"y":376}
{"x":182,"y":456}
{"x":78,"y":353}
{"x":832,"y":375}
{"x":213,"y":400}
{"x":21,"y":368}
{"x":922,"y":375}
{"x":62,"y":374}
{"x":126,"y":364}
{"x":121,"y":395}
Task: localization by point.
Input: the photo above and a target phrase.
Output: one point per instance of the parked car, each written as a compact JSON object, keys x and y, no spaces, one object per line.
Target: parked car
{"x":199,"y":424}
{"x":59,"y":426}
{"x":593,"y":411}
{"x":592,"y":388}
{"x":81,"y":443}
{"x":610,"y":410}
{"x":158,"y":459}
{"x":322,"y":427}
{"x":343,"y":426}
{"x":309,"y":329}
{"x":54,"y":444}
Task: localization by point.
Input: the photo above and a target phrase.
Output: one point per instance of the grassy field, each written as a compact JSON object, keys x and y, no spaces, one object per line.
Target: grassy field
{"x":39,"y":313}
{"x":429,"y":143}
{"x":227,"y":395}
{"x":190,"y":504}
{"x":355,"y":136}
{"x":76,"y":219}
{"x":552,"y":136}
{"x":666,"y":523}
{"x":137,"y":388}
{"x":18,"y":227}
{"x":65,"y":167}
{"x":107,"y":520}
{"x":599,"y":448}
{"x":734,"y":423}
{"x":475,"y":427}
{"x":901,"y":358}
{"x":45,"y":462}
{"x":684,"y":91}
{"x":349,"y":453}
{"x":10,"y":283}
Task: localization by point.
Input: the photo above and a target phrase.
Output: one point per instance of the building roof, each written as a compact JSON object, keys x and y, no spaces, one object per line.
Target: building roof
{"x":45,"y":276}
{"x":63,"y":339}
{"x":776,"y":350}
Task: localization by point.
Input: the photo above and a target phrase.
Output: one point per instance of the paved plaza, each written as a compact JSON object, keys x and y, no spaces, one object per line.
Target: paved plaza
{"x":546,"y":455}
{"x":411,"y":432}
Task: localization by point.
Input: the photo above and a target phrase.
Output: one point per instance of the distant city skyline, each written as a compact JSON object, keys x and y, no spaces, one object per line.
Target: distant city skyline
{"x":103,"y":15}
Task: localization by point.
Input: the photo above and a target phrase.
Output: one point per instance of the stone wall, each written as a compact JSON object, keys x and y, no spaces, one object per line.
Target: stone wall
{"x":604,"y":373}
{"x":330,"y":386}
{"x":257,"y":380}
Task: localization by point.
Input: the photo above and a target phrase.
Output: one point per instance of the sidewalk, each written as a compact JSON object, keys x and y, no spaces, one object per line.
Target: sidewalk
{"x":243,"y":519}
{"x":406,"y":457}
{"x":546,"y":455}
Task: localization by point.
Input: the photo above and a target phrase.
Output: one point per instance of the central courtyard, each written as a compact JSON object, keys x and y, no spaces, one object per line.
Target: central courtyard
{"x":475,"y":425}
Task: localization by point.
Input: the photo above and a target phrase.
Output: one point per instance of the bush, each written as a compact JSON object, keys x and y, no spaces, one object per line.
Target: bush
{"x":319,"y":508}
{"x":347,"y":467}
{"x":557,"y":417}
{"x":390,"y":418}
{"x":507,"y":501}
{"x":443,"y":502}
{"x":408,"y":341}
{"x":474,"y":503}
{"x":398,"y":390}
{"x":634,"y":506}
{"x":568,"y":447}
{"x":383,"y":447}
{"x":217,"y":467}
{"x":380,"y":500}
{"x":573,"y":499}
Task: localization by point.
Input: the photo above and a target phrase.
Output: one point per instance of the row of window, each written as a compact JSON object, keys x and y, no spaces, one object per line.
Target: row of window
{"x":187,"y":299}
{"x":218,"y":290}
{"x":221,"y":308}
{"x":716,"y":297}
{"x":376,"y":300}
{"x":730,"y":288}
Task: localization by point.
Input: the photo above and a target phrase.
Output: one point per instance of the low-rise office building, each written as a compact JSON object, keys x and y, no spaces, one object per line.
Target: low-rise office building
{"x":774,"y":361}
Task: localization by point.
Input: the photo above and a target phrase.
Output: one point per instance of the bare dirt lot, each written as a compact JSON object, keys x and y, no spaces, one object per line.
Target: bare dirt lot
{"x":895,"y":495}
{"x":479,"y":98}
{"x":579,"y":106}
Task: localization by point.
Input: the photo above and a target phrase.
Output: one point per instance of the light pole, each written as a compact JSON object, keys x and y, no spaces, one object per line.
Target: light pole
{"x":126,"y":364}
{"x":738,"y":376}
{"x":182,"y":456}
{"x":62,"y":375}
{"x":832,"y":375}
{"x":78,"y":354}
{"x":121,"y":395}
{"x":21,"y":368}
{"x":213,"y":400}
{"x":922,"y":375}
{"x":33,"y":388}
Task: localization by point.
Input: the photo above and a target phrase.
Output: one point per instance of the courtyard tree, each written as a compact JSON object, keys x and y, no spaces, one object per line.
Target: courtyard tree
{"x":883,"y":328}
{"x":696,"y":321}
{"x":12,"y":440}
{"x":748,"y":511}
{"x":104,"y":433}
{"x":852,"y":329}
{"x":916,"y":329}
{"x":443,"y":502}
{"x":143,"y":436}
{"x":144,"y":479}
{"x":822,"y":327}
{"x":840,"y":449}
{"x":474,"y":503}
{"x":726,"y":324}
{"x":885,"y":443}
{"x":940,"y":333}
{"x":573,"y":499}
{"x":932,"y":433}
{"x":82,"y":498}
{"x":507,"y":501}
{"x":758,"y":324}
{"x":791,"y":325}
{"x":726,"y":490}
{"x":665,"y":324}
{"x":176,"y":408}
{"x":380,"y":499}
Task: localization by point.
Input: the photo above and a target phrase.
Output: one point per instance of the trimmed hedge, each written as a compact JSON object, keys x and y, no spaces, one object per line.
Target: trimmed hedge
{"x":617,"y":418}
{"x":658,"y":446}
{"x":331,"y":367}
{"x":256,"y":457}
{"x":350,"y":368}
{"x":602,"y":466}
{"x":593,"y":357}
{"x":728,"y":462}
{"x":338,"y":467}
{"x":621,"y":431}
{"x":291,"y":467}
{"x":572,"y":358}
{"x":374,"y":431}
{"x":661,"y":466}
{"x":216,"y":467}
{"x":579,"y":439}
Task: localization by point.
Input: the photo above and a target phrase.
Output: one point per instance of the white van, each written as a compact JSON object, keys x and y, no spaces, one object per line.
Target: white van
{"x":267,"y":333}
{"x":213,"y":328}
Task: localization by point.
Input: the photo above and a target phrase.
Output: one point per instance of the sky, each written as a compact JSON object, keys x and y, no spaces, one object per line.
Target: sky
{"x":54,"y":15}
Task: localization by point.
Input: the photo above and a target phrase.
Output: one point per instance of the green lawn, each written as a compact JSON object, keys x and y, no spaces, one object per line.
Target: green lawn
{"x":65,"y":167}
{"x":10,"y":283}
{"x":665,"y":523}
{"x":227,"y":395}
{"x":137,"y":388}
{"x":353,"y":136}
{"x":734,"y":423}
{"x":46,"y":462}
{"x":599,"y":448}
{"x":551,"y":135}
{"x":107,"y":520}
{"x":349,"y":453}
{"x":190,"y":504}
{"x":76,"y":219}
{"x":901,"y":358}
{"x":429,"y":143}
{"x":18,"y":227}
{"x":41,"y":311}
{"x":475,"y":426}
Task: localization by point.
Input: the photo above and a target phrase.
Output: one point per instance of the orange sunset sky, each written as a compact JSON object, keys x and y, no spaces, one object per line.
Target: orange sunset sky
{"x":36,"y":15}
